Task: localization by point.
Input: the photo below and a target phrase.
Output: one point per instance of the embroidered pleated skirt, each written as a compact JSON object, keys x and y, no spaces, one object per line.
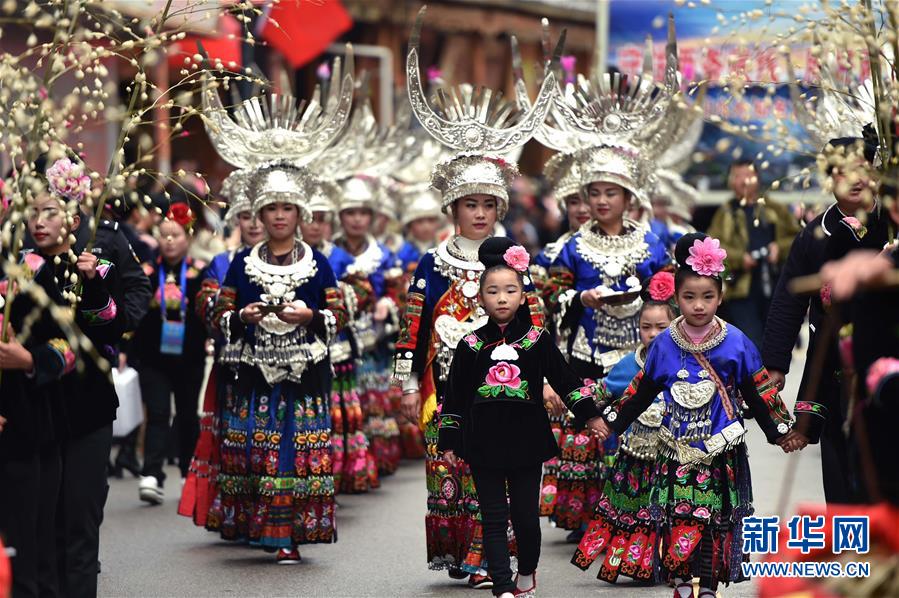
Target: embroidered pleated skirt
{"x":355,"y":469}
{"x":691,"y":528}
{"x":275,"y":487}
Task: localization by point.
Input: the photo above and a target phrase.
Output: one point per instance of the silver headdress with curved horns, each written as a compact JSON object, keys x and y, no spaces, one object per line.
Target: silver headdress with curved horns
{"x":279,"y":130}
{"x":841,"y":111}
{"x":235,"y":188}
{"x":477,"y":122}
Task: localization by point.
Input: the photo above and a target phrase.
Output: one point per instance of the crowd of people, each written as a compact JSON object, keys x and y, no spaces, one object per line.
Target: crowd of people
{"x":603,"y":380}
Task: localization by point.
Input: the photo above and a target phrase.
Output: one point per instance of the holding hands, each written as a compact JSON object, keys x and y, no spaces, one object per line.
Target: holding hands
{"x":599,"y":428}
{"x":792,"y":441}
{"x":450,"y":458}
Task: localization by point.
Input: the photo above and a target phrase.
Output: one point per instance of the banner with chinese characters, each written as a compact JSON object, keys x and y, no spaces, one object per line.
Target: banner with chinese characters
{"x":725,"y":45}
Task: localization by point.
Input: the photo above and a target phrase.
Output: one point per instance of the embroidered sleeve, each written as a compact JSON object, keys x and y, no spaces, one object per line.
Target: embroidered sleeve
{"x":451,"y":419}
{"x":362,"y":288}
{"x":415,"y":325}
{"x":205,"y":302}
{"x":760,"y":394}
{"x":337,"y":306}
{"x":98,"y":306}
{"x":52,"y":360}
{"x":225,"y":308}
{"x":765,"y":403}
{"x":622,"y":412}
{"x":580,"y":396}
{"x":559,"y":285}
{"x":410,"y":333}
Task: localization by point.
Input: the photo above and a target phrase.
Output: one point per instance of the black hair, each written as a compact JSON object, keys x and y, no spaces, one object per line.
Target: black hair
{"x":868,"y":147}
{"x":648,"y":302}
{"x":490,"y":253}
{"x":684,"y":271}
{"x":739,"y":163}
{"x":672,"y":310}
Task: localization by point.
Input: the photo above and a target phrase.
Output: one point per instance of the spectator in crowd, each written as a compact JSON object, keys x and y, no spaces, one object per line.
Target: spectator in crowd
{"x":757,"y":235}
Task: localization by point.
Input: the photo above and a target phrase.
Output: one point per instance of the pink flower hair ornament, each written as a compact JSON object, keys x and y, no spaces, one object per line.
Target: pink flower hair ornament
{"x":517,"y":258}
{"x":68,"y":180}
{"x":707,"y":257}
{"x":661,"y":286}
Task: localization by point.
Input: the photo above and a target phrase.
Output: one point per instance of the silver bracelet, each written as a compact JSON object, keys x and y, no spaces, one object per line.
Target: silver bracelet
{"x":411,"y":391}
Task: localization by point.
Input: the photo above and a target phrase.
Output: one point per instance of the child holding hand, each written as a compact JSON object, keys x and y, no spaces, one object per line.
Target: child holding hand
{"x":493,"y":416}
{"x":701,"y":482}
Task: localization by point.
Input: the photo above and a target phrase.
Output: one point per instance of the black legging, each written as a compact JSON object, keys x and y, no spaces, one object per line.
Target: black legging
{"x":29,"y":488}
{"x":523,"y":508}
{"x":156,"y":388}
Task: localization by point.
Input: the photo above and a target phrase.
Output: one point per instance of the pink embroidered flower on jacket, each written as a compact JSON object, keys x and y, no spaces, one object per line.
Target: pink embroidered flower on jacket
{"x":533,"y":334}
{"x":471,"y":340}
{"x":661,"y":286}
{"x":517,"y":258}
{"x":504,"y":374}
{"x":879,"y":369}
{"x":855,"y":224}
{"x":707,"y":257}
{"x":67,"y":180}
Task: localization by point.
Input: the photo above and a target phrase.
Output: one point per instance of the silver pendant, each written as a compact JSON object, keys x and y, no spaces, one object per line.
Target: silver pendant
{"x":470,"y":289}
{"x":683,"y":374}
{"x":703,"y":374}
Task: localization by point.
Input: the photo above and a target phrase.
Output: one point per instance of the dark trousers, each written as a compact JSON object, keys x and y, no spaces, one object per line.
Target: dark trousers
{"x":29,"y":488}
{"x":80,"y":512}
{"x":522,"y":507}
{"x":156,"y":387}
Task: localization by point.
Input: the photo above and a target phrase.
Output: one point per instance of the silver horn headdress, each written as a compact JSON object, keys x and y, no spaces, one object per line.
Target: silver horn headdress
{"x":622,"y":126}
{"x":477,"y":123}
{"x":260,"y":132}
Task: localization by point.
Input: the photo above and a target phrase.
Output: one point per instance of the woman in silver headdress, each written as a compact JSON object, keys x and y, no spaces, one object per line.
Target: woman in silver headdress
{"x":278,"y":309}
{"x":441,"y":305}
{"x":355,"y":468}
{"x":373,"y":281}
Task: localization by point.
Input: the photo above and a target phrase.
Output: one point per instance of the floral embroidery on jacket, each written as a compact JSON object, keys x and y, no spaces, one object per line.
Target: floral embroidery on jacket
{"x":504,"y":378}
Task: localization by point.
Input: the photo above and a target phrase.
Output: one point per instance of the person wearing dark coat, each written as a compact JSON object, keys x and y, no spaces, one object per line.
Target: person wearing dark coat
{"x":32,"y":426}
{"x":494,"y":418}
{"x":819,"y":415}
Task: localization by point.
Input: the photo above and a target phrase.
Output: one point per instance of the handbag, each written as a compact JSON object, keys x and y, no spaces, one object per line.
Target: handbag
{"x":130,"y":413}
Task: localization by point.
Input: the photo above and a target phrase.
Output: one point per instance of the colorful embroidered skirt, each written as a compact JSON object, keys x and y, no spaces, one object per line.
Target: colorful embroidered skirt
{"x":622,"y":526}
{"x":275,"y":486}
{"x":355,"y":470}
{"x":452,"y":524}
{"x":699,"y":511}
{"x":578,"y":478}
{"x":380,"y":426}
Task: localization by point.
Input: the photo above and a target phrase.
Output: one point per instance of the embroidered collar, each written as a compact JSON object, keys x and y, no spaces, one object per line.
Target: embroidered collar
{"x":443,"y":253}
{"x":640,"y":356}
{"x":839,"y":216}
{"x":552,"y":250}
{"x":488,"y":335}
{"x":613,"y":255}
{"x":682,"y":341}
{"x":367,"y":262}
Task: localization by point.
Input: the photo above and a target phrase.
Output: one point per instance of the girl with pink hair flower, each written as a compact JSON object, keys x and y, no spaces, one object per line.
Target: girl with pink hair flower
{"x":700,"y":489}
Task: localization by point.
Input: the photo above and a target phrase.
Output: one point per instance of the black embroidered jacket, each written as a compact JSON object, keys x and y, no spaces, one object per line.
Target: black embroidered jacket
{"x":493,"y":413}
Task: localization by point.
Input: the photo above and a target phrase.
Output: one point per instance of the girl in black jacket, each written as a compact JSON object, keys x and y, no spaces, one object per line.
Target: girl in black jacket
{"x":493,"y":417}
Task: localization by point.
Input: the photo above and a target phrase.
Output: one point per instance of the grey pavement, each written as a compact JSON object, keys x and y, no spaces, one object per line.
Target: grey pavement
{"x":152,"y":551}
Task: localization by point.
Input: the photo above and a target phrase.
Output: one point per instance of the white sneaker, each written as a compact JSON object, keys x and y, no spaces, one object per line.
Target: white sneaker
{"x":150,"y":491}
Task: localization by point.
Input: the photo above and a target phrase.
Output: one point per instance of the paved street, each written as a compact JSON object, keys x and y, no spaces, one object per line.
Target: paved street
{"x":151,"y":551}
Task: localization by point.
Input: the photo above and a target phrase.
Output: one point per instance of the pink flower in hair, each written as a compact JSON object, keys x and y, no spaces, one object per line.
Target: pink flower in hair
{"x":884,"y":366}
{"x":661,"y":286}
{"x":434,"y":74}
{"x":67,"y":180}
{"x":707,"y":257}
{"x":517,"y":258}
